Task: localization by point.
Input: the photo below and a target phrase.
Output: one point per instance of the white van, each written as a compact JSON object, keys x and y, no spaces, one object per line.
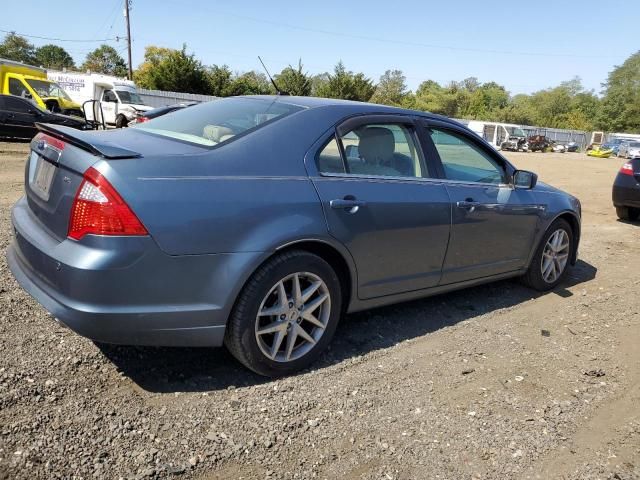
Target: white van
{"x":502,"y":136}
{"x":118,"y":97}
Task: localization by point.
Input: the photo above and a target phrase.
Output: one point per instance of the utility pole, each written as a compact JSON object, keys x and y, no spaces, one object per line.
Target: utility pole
{"x":126,"y":14}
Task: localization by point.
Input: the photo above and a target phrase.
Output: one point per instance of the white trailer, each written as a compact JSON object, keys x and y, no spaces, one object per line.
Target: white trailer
{"x":502,"y":136}
{"x":118,"y":97}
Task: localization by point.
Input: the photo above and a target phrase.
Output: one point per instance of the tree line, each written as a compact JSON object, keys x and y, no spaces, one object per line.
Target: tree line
{"x":568,"y":105}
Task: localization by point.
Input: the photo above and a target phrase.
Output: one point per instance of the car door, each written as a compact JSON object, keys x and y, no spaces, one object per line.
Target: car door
{"x":382,"y":202}
{"x":5,"y":129}
{"x":109,"y":103}
{"x":493,"y":223}
{"x":20,"y":116}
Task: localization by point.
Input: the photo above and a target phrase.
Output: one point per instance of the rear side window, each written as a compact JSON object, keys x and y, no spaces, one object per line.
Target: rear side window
{"x":215,"y":122}
{"x":16,"y":105}
{"x":329,"y":158}
{"x":385,"y":150}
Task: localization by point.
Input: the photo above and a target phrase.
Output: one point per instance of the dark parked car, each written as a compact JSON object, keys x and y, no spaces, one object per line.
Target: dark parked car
{"x":538,"y":143}
{"x":626,"y":190}
{"x":18,"y":117}
{"x":243,"y":222}
{"x":158,"y":112}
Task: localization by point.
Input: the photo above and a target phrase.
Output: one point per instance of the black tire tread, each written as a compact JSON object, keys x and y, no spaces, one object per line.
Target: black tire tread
{"x":237,"y":320}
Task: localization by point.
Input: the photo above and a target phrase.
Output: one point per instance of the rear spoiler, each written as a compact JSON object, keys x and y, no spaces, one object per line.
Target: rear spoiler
{"x":86,"y":141}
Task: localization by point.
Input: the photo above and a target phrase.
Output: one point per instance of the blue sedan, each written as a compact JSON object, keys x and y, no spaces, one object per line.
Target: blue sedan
{"x":257,"y":222}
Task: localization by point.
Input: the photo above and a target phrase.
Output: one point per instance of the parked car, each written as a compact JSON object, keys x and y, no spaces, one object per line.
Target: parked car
{"x":158,"y":112}
{"x":18,"y":118}
{"x":242,"y":222}
{"x":626,"y":190}
{"x":572,"y":147}
{"x":629,"y":150}
{"x":538,"y":143}
{"x":615,"y":143}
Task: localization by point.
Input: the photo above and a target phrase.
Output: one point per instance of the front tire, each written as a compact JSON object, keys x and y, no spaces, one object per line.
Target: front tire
{"x":285,"y":315}
{"x":550,"y":263}
{"x":121,"y":121}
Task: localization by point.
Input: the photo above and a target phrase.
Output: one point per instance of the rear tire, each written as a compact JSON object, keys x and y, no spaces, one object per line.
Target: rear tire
{"x":547,"y":260}
{"x":254,"y":335}
{"x":628,"y":213}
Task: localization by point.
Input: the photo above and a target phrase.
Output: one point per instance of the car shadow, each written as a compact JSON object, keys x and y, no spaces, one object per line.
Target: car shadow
{"x":165,"y":370}
{"x":630,"y":222}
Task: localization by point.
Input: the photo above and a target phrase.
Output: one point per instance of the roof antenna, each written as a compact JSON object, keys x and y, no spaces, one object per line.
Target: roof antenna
{"x":278,"y":91}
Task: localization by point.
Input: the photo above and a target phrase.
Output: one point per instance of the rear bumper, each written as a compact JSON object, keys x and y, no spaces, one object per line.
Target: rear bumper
{"x":626,"y":191}
{"x":124,"y":290}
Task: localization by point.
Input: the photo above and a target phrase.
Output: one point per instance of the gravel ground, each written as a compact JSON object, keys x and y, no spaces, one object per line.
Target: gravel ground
{"x":494,"y":382}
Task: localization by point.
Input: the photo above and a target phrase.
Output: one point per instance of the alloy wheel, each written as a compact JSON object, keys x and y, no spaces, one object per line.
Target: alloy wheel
{"x":293,"y":316}
{"x":555,"y":255}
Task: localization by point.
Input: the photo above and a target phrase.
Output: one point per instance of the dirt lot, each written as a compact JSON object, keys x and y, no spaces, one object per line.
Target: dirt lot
{"x":494,"y":382}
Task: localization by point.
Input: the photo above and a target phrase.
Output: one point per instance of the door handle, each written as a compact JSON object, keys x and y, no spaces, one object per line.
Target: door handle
{"x":468,"y":204}
{"x":351,"y":205}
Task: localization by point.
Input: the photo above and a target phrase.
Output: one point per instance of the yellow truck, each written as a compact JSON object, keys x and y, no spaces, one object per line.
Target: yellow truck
{"x":31,"y":82}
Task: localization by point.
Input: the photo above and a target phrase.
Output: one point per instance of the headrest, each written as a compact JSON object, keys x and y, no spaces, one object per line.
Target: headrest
{"x":216,"y":132}
{"x":376,"y":144}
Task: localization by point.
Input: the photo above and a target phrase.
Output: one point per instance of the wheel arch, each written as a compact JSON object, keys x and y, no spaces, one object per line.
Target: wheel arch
{"x":339,"y":259}
{"x":572,"y":219}
{"x":335,"y":255}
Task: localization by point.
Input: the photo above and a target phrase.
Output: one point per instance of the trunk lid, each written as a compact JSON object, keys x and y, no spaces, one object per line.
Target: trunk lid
{"x":58,"y":158}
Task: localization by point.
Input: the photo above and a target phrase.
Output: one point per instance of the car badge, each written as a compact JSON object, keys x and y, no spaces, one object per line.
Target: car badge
{"x":41,"y":144}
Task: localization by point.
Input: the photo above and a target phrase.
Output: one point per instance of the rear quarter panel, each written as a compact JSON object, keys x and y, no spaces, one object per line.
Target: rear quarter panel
{"x":250,"y":195}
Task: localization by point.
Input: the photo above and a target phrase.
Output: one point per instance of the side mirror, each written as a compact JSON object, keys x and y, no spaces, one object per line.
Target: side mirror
{"x":351,"y":151}
{"x":524,"y":179}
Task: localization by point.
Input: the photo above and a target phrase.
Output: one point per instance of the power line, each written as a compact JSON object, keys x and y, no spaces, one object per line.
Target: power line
{"x":61,"y":39}
{"x":406,"y":42}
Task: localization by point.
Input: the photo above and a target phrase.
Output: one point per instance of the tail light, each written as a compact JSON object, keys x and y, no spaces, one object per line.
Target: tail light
{"x":627,"y":169}
{"x":99,"y":210}
{"x":142,"y":119}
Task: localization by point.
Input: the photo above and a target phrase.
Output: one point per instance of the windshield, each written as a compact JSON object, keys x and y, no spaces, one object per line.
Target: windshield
{"x":45,"y":88}
{"x":515,"y":131}
{"x":127,"y":96}
{"x":215,"y":122}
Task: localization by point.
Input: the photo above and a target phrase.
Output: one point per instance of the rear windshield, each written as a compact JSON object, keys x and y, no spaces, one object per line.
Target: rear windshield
{"x":218,"y":121}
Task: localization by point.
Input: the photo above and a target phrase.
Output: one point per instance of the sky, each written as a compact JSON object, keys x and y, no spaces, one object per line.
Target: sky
{"x":525,"y":46}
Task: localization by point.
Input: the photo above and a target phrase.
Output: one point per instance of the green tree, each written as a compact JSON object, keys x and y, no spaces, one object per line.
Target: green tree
{"x":391,"y":89}
{"x":15,"y":47}
{"x":105,"y":59}
{"x":220,"y":79}
{"x":519,"y":110}
{"x":294,"y":81}
{"x":248,"y":83}
{"x":343,"y":84}
{"x":621,"y":101}
{"x":53,"y":56}
{"x":172,"y":70}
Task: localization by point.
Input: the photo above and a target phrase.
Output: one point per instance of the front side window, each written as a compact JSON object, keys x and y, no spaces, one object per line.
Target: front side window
{"x":17,"y":88}
{"x":387,"y":150}
{"x":45,"y":89}
{"x":464,"y":161}
{"x":218,"y":121}
{"x":127,"y":96}
{"x":109,"y":96}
